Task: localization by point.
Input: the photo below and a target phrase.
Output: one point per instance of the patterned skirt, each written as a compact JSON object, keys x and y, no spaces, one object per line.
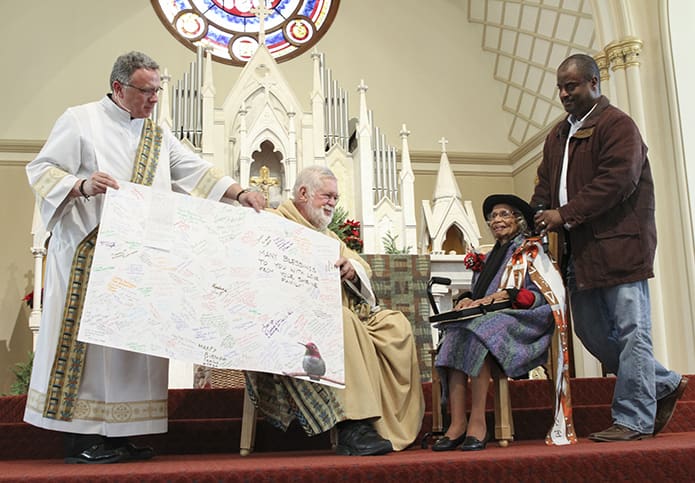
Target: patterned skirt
{"x":517,"y":339}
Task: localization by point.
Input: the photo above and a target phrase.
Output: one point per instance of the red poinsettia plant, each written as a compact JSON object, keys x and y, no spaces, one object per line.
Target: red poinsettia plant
{"x":29,"y":299}
{"x":350,"y":234}
{"x":474,"y":261}
{"x":347,"y":230}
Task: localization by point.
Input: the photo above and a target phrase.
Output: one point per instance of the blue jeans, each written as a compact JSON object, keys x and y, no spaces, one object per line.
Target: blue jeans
{"x":614,"y":324}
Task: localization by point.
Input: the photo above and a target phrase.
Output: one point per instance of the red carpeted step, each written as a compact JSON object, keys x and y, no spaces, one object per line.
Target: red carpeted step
{"x":209,"y":420}
{"x":667,"y":458}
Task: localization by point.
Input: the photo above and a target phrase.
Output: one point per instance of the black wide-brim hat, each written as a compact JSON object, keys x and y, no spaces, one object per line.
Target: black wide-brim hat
{"x":510,"y":200}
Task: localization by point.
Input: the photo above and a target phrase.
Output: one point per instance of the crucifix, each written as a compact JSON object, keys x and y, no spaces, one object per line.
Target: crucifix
{"x":443,"y":141}
{"x":261,"y":12}
{"x":264,"y":181}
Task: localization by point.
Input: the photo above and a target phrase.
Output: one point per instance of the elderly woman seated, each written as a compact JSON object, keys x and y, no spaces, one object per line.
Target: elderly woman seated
{"x":515,"y":338}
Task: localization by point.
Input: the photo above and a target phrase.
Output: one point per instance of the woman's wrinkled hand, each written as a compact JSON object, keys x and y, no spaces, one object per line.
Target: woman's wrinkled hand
{"x":463,"y":303}
{"x":500,"y":296}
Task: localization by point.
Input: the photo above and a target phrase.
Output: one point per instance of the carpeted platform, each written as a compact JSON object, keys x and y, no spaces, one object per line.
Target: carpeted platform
{"x":203,"y":442}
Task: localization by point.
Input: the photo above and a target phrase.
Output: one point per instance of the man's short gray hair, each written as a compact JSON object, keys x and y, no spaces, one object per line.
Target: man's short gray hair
{"x":128,"y":63}
{"x":312,"y":178}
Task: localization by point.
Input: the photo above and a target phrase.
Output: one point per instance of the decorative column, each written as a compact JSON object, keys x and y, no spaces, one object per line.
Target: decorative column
{"x":614,"y":50}
{"x":207,"y":143}
{"x":38,"y":251}
{"x":602,"y":61}
{"x":364,"y":201}
{"x":164,"y":118}
{"x":291,"y":162}
{"x":407,"y":179}
{"x":631,"y":49}
{"x":244,"y":154}
{"x":318,"y":127}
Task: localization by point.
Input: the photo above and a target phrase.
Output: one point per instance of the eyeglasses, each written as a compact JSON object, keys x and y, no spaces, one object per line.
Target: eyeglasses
{"x":504,"y":214}
{"x":148,"y":92}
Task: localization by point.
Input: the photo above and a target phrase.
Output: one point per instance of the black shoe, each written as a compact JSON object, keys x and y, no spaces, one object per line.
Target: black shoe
{"x":667,"y":405}
{"x":472,"y":443}
{"x":359,"y":438}
{"x":136,"y":453}
{"x":96,"y":454}
{"x":446,"y":444}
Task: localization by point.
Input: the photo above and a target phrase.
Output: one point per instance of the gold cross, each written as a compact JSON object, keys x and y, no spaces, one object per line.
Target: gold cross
{"x":264,"y":181}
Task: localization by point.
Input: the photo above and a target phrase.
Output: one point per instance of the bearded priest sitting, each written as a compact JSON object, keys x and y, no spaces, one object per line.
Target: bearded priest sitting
{"x":381,"y":408}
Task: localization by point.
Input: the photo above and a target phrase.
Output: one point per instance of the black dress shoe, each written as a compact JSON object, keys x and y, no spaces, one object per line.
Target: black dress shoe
{"x":96,"y":454}
{"x":359,"y":438}
{"x":471,"y":443}
{"x":136,"y":453}
{"x":446,"y":444}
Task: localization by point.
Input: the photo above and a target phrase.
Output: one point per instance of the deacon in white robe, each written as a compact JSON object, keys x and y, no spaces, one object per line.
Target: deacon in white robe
{"x":85,"y":388}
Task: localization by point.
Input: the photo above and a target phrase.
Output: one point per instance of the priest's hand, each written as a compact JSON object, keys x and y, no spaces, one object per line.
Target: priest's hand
{"x":95,"y":184}
{"x":252,"y":199}
{"x":347,"y":271}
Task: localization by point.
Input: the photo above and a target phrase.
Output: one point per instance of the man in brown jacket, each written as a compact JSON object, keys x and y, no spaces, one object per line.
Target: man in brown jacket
{"x":596,"y":180}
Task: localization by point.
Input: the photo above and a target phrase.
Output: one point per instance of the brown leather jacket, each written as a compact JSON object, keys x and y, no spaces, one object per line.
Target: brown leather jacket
{"x":610,"y":190}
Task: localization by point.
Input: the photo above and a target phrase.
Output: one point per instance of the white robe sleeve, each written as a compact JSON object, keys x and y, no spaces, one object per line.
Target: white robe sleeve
{"x":57,"y":168}
{"x":191,"y":174}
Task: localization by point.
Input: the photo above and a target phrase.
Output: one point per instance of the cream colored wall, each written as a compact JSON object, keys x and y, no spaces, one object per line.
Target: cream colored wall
{"x":434,"y":83}
{"x":525,"y":180}
{"x":422,"y":69}
{"x":16,"y":211}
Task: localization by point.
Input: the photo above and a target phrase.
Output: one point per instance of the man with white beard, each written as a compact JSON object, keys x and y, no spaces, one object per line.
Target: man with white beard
{"x":381,"y":408}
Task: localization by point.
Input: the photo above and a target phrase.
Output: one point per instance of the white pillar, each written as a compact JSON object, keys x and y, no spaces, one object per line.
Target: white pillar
{"x":208,"y":121}
{"x":244,"y":154}
{"x":38,"y":251}
{"x":617,"y":62}
{"x":291,"y":163}
{"x":164,"y":118}
{"x":317,"y":112}
{"x":365,"y":200}
{"x":407,"y":182}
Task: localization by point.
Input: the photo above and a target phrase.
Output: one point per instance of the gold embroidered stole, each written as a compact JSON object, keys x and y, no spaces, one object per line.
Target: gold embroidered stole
{"x":544,"y":274}
{"x":68,"y":365}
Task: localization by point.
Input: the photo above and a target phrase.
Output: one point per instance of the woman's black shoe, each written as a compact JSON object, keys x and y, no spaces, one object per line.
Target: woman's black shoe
{"x":446,"y":444}
{"x":473,"y":444}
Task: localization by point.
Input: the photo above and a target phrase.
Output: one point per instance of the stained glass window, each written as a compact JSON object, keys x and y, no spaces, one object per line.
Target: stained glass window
{"x":232,"y":29}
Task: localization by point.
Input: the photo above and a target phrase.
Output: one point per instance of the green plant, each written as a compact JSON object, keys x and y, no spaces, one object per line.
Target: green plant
{"x":22,"y":373}
{"x":347,"y":230}
{"x":339,"y":217}
{"x":390,"y":246}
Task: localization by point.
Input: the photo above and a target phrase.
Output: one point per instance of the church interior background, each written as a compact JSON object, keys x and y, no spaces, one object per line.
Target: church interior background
{"x":421,"y":109}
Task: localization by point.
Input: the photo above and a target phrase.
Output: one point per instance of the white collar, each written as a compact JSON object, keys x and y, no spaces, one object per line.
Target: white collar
{"x":577,"y":124}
